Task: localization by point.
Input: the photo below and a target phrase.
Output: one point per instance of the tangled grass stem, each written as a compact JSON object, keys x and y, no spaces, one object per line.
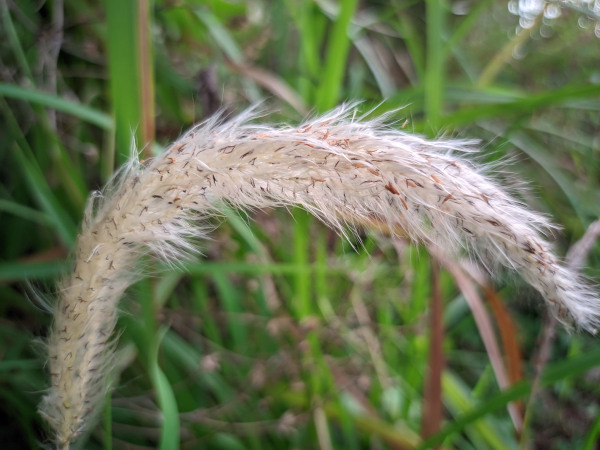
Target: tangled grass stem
{"x":346,"y":171}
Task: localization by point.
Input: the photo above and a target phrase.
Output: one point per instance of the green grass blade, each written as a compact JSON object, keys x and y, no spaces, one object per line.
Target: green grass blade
{"x":302,"y":278}
{"x":14,"y":41}
{"x":221,"y":35}
{"x":78,"y":110}
{"x":396,"y":434}
{"x":243,"y":229}
{"x":165,"y":286}
{"x":226,"y":42}
{"x":71,"y":178}
{"x":233,"y":306}
{"x":328,"y":92}
{"x":190,"y":357}
{"x":570,"y":96}
{"x":37,"y":184}
{"x":61,"y":221}
{"x":202,"y":308}
{"x":25,"y":212}
{"x":458,"y":401}
{"x":577,"y":139}
{"x":384,"y":79}
{"x":20,"y":271}
{"x":21,"y":364}
{"x":308,"y":24}
{"x":434,"y":76}
{"x":559,"y":371}
{"x":536,"y":151}
{"x":122,"y":39}
{"x":414,"y":42}
{"x":169,"y":436}
{"x":593,"y":436}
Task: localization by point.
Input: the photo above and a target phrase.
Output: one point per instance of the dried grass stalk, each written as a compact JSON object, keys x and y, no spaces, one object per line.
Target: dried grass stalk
{"x":347,"y":172}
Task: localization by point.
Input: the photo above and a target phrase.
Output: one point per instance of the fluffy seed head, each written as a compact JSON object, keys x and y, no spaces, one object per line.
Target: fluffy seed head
{"x":346,"y":172}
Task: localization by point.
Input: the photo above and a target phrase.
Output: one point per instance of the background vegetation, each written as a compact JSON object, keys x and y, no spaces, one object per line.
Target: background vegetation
{"x":284,"y":336}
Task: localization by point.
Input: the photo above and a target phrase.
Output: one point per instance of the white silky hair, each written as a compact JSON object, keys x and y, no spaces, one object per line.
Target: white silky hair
{"x":349,"y":172}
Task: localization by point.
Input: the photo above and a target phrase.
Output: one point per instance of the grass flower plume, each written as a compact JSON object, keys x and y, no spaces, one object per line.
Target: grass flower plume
{"x":346,"y":172}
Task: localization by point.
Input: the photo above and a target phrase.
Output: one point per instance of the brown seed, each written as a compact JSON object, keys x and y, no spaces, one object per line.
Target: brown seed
{"x":448,"y":197}
{"x":404,"y":203}
{"x":390,"y":187}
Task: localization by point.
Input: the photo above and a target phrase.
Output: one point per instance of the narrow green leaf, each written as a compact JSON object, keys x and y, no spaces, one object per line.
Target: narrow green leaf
{"x":593,"y":436}
{"x":25,"y":212}
{"x":36,"y":182}
{"x":19,"y":271}
{"x":244,"y":230}
{"x":571,"y":96}
{"x":169,"y":436}
{"x":63,"y":224}
{"x":532,"y":148}
{"x":302,"y":278}
{"x":13,"y":39}
{"x":165,"y":287}
{"x":232,"y":305}
{"x":563,"y":370}
{"x":190,"y":357}
{"x":458,"y":399}
{"x":224,"y":40}
{"x":221,"y":35}
{"x":329,"y":90}
{"x":413,"y":37}
{"x":20,"y":365}
{"x":78,"y":110}
{"x":434,"y":76}
{"x":308,"y":23}
{"x":123,"y":60}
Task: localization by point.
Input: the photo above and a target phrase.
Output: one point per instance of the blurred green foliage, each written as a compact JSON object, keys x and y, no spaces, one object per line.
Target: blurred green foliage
{"x":284,"y":335}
